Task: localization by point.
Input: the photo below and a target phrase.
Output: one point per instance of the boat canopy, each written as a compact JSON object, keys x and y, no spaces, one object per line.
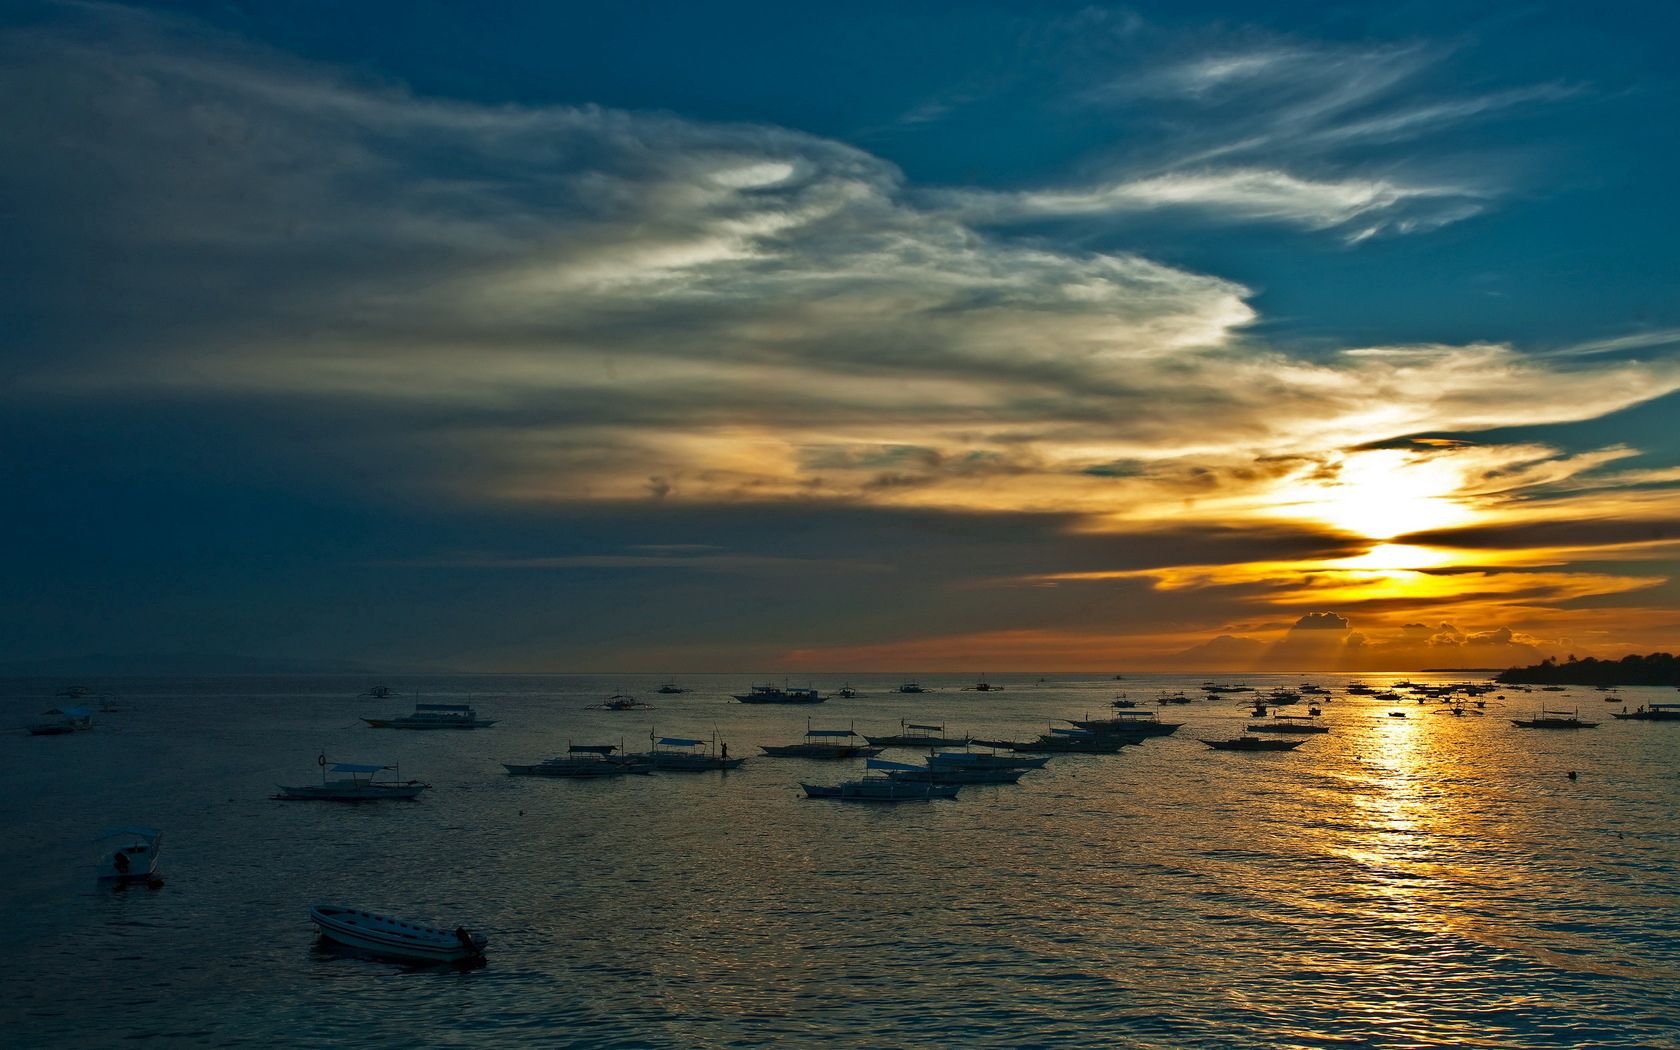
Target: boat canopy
{"x":829,"y":732}
{"x":878,"y":763}
{"x":355,"y":767}
{"x":593,"y":749}
{"x":678,"y":741}
{"x":931,"y":729}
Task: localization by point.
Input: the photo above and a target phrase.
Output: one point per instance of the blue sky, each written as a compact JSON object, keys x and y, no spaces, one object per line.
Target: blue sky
{"x":747,"y":336}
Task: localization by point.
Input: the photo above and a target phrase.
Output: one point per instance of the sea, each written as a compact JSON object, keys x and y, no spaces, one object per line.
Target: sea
{"x":1426,"y":881}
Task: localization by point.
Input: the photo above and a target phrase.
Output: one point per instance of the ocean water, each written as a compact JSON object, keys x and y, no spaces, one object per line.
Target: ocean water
{"x":1421,"y":882}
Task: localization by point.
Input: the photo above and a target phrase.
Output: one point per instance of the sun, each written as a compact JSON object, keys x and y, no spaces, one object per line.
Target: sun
{"x":1383,"y":493}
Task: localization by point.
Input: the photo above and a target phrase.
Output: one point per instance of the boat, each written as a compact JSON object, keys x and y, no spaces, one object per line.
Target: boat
{"x":1551,"y":689}
{"x":359,"y":783}
{"x":1652,"y":713}
{"x":620,"y":702}
{"x":396,"y":938}
{"x":1397,"y":714}
{"x":846,"y":691}
{"x":62,"y":721}
{"x":1290,"y":724}
{"x":671,"y":687}
{"x":1173,"y":698}
{"x":434,"y":716}
{"x":780,"y":694}
{"x":129,"y":856}
{"x":959,"y":774}
{"x":984,"y":760}
{"x":1121,"y":701}
{"x":678,"y":754}
{"x":1067,"y":741}
{"x":911,"y":687}
{"x":72,"y":692}
{"x":1253,"y":743}
{"x":582,"y":761}
{"x":983,"y":686}
{"x":1554,"y":720}
{"x":825,"y":743}
{"x":914,"y":734}
{"x":1128,"y":723}
{"x":883,"y":788}
{"x":378,"y":692}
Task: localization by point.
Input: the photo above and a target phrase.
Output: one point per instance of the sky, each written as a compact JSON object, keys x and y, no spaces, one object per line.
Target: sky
{"x":972,"y":337}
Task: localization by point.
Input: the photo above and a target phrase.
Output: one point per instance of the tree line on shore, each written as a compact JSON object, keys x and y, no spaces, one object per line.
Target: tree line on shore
{"x":1633,"y":669}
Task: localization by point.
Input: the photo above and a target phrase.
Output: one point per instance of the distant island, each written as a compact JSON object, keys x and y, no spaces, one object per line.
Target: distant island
{"x":1654,"y":669}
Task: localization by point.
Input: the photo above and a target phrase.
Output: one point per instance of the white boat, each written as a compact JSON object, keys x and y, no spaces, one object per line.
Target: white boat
{"x":359,"y":783}
{"x":61,"y":721}
{"x":679,"y":754}
{"x":883,"y":788}
{"x":434,"y":716}
{"x":396,"y":938}
{"x":129,"y":855}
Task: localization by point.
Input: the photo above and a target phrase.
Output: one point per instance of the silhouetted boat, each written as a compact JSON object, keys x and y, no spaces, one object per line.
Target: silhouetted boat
{"x":62,"y":721}
{"x":780,"y":694}
{"x":918,"y":735}
{"x":1067,"y":741}
{"x":582,"y":762}
{"x":883,"y":788}
{"x":359,"y":783}
{"x":434,"y":716}
{"x":620,"y":702}
{"x":1554,"y":720}
{"x":1253,"y":743}
{"x":671,"y":687}
{"x":825,"y":744}
{"x":911,"y":687}
{"x":1652,"y":713}
{"x":1290,"y":724}
{"x":676,"y":754}
{"x":1127,"y":723}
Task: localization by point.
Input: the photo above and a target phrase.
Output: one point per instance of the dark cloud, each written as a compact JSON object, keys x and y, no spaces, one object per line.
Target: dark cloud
{"x":1321,"y":621}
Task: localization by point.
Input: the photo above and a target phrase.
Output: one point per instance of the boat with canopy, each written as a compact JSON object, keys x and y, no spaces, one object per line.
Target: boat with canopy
{"x":885,"y":788}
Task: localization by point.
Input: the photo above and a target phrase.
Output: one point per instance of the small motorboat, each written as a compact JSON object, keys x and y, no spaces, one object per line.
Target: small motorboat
{"x":391,"y":938}
{"x":359,"y":783}
{"x":128,"y":856}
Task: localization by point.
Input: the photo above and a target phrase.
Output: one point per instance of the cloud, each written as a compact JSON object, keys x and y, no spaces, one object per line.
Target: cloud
{"x":1321,"y":621}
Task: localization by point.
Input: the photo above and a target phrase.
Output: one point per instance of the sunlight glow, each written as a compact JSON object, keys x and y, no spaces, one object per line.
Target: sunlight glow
{"x":1383,"y":493}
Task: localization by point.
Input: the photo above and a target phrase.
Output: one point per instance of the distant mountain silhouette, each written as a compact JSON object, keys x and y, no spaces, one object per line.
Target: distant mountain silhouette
{"x":1654,"y":669}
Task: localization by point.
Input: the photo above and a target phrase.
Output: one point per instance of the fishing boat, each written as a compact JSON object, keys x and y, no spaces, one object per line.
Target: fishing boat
{"x":914,"y":734}
{"x":378,"y":692}
{"x":434,"y":716}
{"x":1128,"y":723}
{"x":1290,"y":724}
{"x":911,"y":687}
{"x":983,"y":686}
{"x":62,"y":721}
{"x":984,"y":760}
{"x":825,"y":744}
{"x":1652,"y":713}
{"x":1067,"y":741}
{"x":846,"y":691}
{"x":1253,"y":743}
{"x":1554,"y":720}
{"x":358,"y":782}
{"x":1121,"y":701}
{"x":391,"y":938}
{"x":1173,"y":698}
{"x":679,"y":754}
{"x":671,"y":687}
{"x":129,"y":856}
{"x":581,"y":762}
{"x":958,"y":774}
{"x":883,"y":788}
{"x":620,"y":702}
{"x":780,"y":694}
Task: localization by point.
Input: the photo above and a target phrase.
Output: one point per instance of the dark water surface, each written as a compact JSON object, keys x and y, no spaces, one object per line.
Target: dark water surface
{"x":1422,"y":882}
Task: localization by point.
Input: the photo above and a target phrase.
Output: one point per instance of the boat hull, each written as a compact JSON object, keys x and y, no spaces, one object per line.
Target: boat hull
{"x":1242,"y":744}
{"x":394,"y":938}
{"x":881,"y":791}
{"x":821,"y":751}
{"x":351,"y":793}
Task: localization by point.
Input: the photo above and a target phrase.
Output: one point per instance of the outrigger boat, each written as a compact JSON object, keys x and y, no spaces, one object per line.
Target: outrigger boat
{"x":379,"y":692}
{"x":359,"y":784}
{"x":1127,"y":723}
{"x":128,"y":856}
{"x":846,"y":691}
{"x":1290,"y":724}
{"x":883,"y":788}
{"x":1653,"y":713}
{"x":1067,"y":741}
{"x":678,"y":754}
{"x":582,"y":761}
{"x":395,"y":938}
{"x":1253,"y":743}
{"x":620,"y":702}
{"x":434,"y":716}
{"x":983,"y":686}
{"x":911,"y":687}
{"x":983,"y":760}
{"x":959,"y":773}
{"x":1554,"y":720}
{"x":671,"y":687}
{"x":825,"y":743}
{"x":917,"y":735}
{"x":780,"y":694}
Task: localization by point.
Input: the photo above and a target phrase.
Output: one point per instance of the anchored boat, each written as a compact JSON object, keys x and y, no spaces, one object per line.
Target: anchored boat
{"x":434,"y":716}
{"x":914,"y":734}
{"x":128,"y":856}
{"x":883,"y":788}
{"x":582,"y":761}
{"x":780,"y":694}
{"x":396,"y":938}
{"x":1253,"y":743}
{"x":825,"y":743}
{"x":359,"y":783}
